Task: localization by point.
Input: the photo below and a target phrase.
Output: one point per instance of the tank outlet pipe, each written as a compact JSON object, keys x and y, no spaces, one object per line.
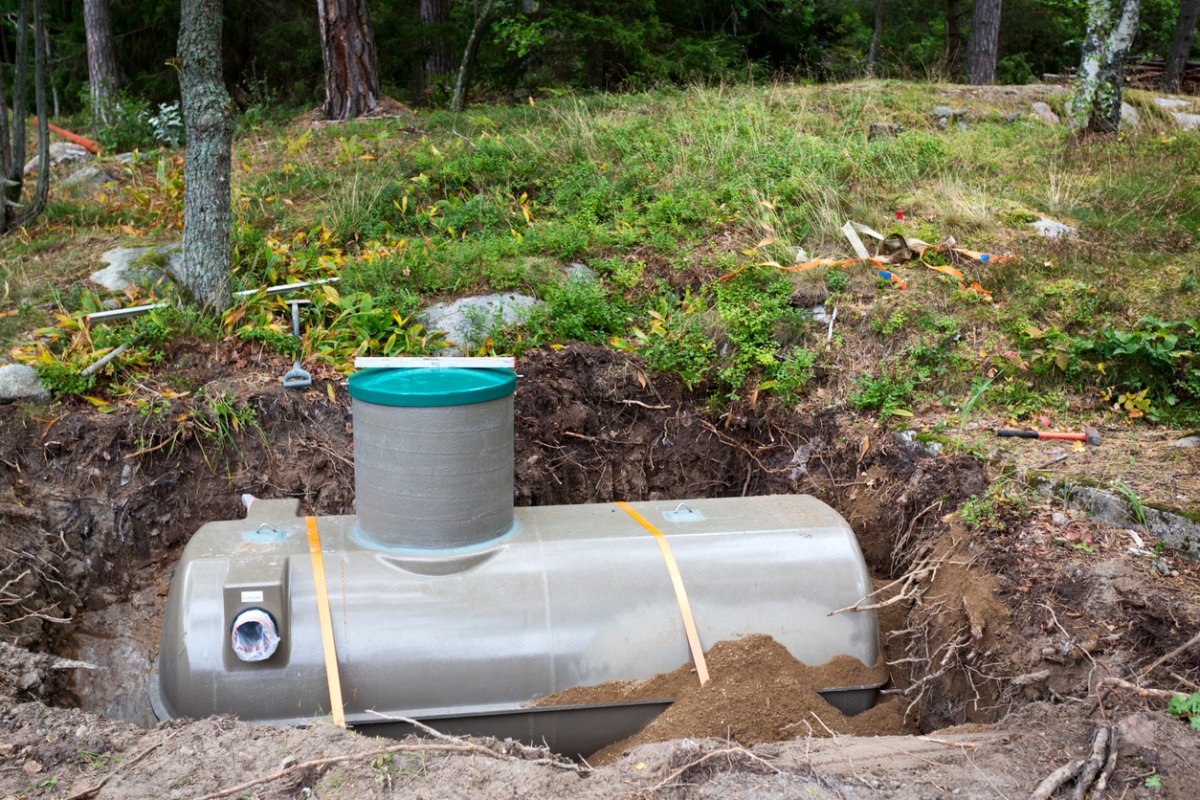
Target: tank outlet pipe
{"x":254,"y":635}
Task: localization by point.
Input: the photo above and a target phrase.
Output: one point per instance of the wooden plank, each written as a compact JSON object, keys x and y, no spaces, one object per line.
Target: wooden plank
{"x":435,"y":362}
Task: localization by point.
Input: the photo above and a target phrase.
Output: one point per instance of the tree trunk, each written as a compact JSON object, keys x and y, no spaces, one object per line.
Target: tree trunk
{"x":876,"y":34}
{"x":1181,"y":44}
{"x":102,"y":58}
{"x":207,"y":113}
{"x":348,"y":50}
{"x":15,"y":215}
{"x":439,"y":62}
{"x":984,"y":46}
{"x":954,"y":38}
{"x":16,"y":151}
{"x":464,"y":69}
{"x":1095,"y":101}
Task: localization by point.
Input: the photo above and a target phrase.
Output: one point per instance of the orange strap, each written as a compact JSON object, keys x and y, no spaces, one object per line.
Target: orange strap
{"x":327,"y":644}
{"x":685,"y":608}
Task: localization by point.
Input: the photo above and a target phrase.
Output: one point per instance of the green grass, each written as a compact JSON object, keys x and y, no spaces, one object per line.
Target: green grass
{"x":662,"y":193}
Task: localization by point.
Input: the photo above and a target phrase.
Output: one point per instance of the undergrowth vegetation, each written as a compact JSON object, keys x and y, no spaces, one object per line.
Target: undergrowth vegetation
{"x":662,"y":224}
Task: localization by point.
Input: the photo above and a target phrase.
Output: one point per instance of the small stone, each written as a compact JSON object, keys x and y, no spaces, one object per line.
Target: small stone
{"x":820,"y":315}
{"x":1160,"y":565}
{"x":1192,"y":440}
{"x":86,"y":179}
{"x":1052,"y":229}
{"x":1187,"y":122}
{"x":1130,"y":116}
{"x":28,"y":680}
{"x":1058,"y":518}
{"x":947,"y":111}
{"x":1136,"y":732}
{"x":1012,"y":117}
{"x":883,"y":130}
{"x":1045,"y":113}
{"x":32,"y":767}
{"x":580,"y":273}
{"x":1171,"y":103}
{"x":21,"y":382}
{"x":138,"y":266}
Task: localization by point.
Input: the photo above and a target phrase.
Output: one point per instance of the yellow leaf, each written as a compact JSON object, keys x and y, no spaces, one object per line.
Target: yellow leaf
{"x":531,"y":102}
{"x":639,"y":766}
{"x":331,"y":294}
{"x":96,"y":401}
{"x":557,"y":346}
{"x":329,"y":391}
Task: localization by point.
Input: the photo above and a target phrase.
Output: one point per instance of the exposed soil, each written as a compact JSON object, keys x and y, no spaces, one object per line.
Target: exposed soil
{"x":758,"y":693}
{"x":983,"y":626}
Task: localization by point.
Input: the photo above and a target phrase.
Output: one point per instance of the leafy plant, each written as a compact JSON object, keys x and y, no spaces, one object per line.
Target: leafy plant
{"x":1187,"y":707}
{"x":890,"y":395}
{"x":675,"y":339}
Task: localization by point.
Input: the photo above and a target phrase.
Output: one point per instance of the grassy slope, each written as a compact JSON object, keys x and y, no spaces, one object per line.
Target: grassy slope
{"x":663,"y":193}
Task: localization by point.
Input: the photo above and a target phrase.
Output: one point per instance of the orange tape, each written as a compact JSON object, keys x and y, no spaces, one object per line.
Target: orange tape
{"x":685,"y":608}
{"x":327,"y":643}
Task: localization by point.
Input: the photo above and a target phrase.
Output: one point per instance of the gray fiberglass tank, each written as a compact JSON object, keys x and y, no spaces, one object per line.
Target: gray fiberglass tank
{"x":447,"y":605}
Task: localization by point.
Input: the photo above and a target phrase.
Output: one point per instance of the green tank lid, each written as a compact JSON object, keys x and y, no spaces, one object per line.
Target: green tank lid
{"x":430,"y":387}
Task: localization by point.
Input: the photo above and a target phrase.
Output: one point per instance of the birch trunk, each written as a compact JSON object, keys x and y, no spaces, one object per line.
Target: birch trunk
{"x":1095,"y":101}
{"x":207,"y":113}
{"x":876,"y":35}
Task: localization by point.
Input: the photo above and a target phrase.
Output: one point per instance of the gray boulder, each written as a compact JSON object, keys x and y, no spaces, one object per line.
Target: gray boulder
{"x":1045,"y":113}
{"x":61,"y":153}
{"x":1187,"y":122}
{"x":21,"y":382}
{"x":1172,"y":103}
{"x":883,"y":130}
{"x":139,"y":266}
{"x":468,"y":320}
{"x":1129,"y":116}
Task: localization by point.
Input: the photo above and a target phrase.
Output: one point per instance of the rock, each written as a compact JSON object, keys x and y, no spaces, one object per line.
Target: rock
{"x":908,"y":439}
{"x":820,"y":315}
{"x":1171,"y":103}
{"x":61,"y":153}
{"x":28,"y":680}
{"x":133,"y":266}
{"x":1136,"y":732}
{"x":1058,"y":518}
{"x":1191,"y":440}
{"x":86,"y":179}
{"x":947,"y":111}
{"x":470,"y":318}
{"x":1187,"y":122}
{"x":21,"y":382}
{"x":1052,"y":229}
{"x":1173,"y":530}
{"x":1012,"y":117}
{"x":580,"y":273}
{"x":1130,"y":116}
{"x":1045,"y":113}
{"x":883,"y":130}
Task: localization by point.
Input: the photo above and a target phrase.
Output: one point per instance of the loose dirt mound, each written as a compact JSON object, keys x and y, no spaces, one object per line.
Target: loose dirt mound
{"x":757,"y":693}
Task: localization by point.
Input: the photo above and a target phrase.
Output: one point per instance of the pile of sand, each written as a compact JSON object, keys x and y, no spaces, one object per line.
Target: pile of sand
{"x":757,"y":692}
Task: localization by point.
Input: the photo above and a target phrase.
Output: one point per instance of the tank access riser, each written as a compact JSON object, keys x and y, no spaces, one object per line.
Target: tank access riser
{"x":569,"y":596}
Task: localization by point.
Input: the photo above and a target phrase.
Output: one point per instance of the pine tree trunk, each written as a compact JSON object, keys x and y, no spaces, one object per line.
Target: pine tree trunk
{"x":1181,"y":44}
{"x":1095,"y":101}
{"x":102,"y":58}
{"x":439,"y":62}
{"x":984,"y":46}
{"x":207,"y":113}
{"x":876,"y":35}
{"x":16,"y":150}
{"x":348,"y":50}
{"x":954,"y":38}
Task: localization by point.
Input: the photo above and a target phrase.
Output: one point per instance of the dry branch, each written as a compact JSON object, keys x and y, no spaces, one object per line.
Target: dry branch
{"x":1055,"y":780}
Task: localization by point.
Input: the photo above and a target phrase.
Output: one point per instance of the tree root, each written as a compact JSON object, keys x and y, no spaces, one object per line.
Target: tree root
{"x":1091,"y":775}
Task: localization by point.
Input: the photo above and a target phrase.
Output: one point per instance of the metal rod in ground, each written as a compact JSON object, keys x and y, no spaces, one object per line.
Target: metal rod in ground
{"x":103,"y":360}
{"x":134,"y":311}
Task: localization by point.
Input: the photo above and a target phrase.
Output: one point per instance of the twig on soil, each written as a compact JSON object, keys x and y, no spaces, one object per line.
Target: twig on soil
{"x":1162,"y":694}
{"x":1168,"y":656}
{"x":91,"y":791}
{"x":1055,"y":780}
{"x":332,"y":760}
{"x":644,"y":405}
{"x":731,"y":751}
{"x":15,"y":511}
{"x":529,"y":755}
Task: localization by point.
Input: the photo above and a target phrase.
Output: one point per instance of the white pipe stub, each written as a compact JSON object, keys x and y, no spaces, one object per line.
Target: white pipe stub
{"x":254,"y":635}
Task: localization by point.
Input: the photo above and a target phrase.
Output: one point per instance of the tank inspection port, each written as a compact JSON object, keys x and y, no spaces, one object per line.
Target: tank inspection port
{"x":254,"y":635}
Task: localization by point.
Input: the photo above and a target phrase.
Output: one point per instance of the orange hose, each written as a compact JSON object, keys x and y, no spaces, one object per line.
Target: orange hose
{"x":82,"y":141}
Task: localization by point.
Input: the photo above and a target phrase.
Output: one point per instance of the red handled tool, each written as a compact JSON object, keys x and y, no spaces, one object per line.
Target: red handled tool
{"x":1090,"y":436}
